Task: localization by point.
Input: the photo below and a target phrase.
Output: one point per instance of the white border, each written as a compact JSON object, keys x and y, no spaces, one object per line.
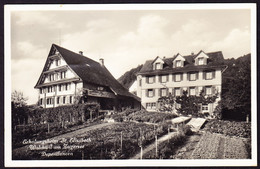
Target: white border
{"x":79,"y":163}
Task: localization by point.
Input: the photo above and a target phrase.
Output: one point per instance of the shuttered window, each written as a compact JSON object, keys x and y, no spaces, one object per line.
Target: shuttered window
{"x":163,"y":78}
{"x":150,"y":92}
{"x":192,"y":76}
{"x":178,"y":77}
{"x":177,"y":91}
{"x":163,"y":92}
{"x":208,"y":90}
{"x":150,"y":79}
{"x":192,"y":91}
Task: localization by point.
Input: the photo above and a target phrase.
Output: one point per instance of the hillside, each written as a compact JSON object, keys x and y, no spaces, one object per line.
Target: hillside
{"x":128,"y":78}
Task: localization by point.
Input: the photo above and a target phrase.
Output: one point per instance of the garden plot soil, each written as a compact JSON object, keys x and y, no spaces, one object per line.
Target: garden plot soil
{"x":217,"y":146}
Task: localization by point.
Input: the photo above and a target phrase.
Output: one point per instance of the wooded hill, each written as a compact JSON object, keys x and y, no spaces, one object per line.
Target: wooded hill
{"x":236,"y":87}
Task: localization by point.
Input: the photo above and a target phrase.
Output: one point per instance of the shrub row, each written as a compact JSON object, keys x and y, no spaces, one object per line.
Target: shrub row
{"x":69,"y":113}
{"x":142,"y":116}
{"x":230,"y":128}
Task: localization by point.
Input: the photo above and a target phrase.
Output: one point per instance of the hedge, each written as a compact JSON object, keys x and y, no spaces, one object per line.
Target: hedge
{"x":68,"y":113}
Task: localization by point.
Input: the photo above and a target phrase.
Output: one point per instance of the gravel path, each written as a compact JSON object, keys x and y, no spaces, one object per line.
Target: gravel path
{"x":217,"y":146}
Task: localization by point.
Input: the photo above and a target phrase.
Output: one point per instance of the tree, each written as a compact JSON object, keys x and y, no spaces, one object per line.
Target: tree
{"x":236,"y":92}
{"x":19,"y":108}
{"x":190,"y":104}
{"x":167,"y":103}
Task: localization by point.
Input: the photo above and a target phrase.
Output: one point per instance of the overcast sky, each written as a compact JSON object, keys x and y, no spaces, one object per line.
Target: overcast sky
{"x":125,"y":39}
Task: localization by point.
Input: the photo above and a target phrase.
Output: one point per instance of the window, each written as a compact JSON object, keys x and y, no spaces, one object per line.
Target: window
{"x":208,"y":90}
{"x":59,"y":87}
{"x":98,"y":88}
{"x":40,"y":90}
{"x":58,"y":100}
{"x":192,"y":76}
{"x":64,"y":99}
{"x":70,"y":99}
{"x":62,"y":75}
{"x":140,"y":82}
{"x":164,"y":78}
{"x":178,"y":63}
{"x":57,"y":62}
{"x":209,"y":75}
{"x":150,"y":105}
{"x":178,"y":77}
{"x":204,"y":107}
{"x":66,"y":86}
{"x":157,"y":66}
{"x":150,"y":79}
{"x":201,"y":61}
{"x":150,"y":92}
{"x":163,"y":92}
{"x":192,"y":91}
{"x":177,"y":91}
{"x":40,"y":101}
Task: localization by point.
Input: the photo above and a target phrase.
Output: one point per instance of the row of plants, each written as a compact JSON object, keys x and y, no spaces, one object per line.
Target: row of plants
{"x":167,"y":149}
{"x":46,"y":123}
{"x":142,"y":116}
{"x":105,"y":142}
{"x":230,"y":128}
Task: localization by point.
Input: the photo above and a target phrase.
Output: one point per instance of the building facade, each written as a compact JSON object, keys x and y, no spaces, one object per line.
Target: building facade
{"x":193,"y":73}
{"x":67,"y":76}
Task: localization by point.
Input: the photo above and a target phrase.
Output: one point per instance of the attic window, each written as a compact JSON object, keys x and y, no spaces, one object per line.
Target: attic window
{"x":178,"y":63}
{"x":201,"y":61}
{"x":157,"y":66}
{"x":88,"y":65}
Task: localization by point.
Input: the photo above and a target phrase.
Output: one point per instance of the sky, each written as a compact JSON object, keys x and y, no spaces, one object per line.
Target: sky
{"x":123,"y":38}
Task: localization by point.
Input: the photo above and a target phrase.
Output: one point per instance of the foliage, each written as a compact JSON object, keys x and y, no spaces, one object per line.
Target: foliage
{"x":69,"y":113}
{"x":190,"y":105}
{"x":217,"y":113}
{"x":151,"y":117}
{"x":230,"y":128}
{"x":236,"y":90}
{"x":129,"y":77}
{"x":19,"y":108}
{"x":167,"y":103}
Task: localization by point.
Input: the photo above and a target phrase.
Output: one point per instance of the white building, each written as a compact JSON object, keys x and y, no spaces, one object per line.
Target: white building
{"x":192,"y":73}
{"x":66,"y":75}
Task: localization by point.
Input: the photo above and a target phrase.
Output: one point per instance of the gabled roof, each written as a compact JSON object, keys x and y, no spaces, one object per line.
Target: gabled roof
{"x":91,"y":71}
{"x":215,"y":59}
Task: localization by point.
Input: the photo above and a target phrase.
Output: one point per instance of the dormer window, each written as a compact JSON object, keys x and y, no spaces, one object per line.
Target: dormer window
{"x":157,"y":66}
{"x":178,"y":63}
{"x":201,"y":61}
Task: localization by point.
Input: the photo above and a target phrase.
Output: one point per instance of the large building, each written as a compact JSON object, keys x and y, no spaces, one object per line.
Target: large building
{"x":67,"y":76}
{"x":193,"y":73}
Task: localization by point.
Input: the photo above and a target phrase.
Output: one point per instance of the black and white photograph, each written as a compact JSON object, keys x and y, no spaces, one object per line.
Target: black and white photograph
{"x":130,"y":85}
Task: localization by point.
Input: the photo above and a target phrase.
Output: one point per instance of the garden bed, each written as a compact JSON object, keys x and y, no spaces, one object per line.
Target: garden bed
{"x":229,"y":128}
{"x":104,"y":143}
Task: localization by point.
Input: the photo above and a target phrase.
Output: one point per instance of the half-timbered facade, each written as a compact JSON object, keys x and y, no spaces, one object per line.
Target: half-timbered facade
{"x":67,"y":76}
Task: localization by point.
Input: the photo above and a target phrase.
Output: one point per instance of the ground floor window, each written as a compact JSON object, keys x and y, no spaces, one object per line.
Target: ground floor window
{"x":205,"y":107}
{"x":151,"y":105}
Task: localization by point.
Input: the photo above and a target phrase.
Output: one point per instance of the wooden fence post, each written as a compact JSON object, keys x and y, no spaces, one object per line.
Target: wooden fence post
{"x":156,"y":147}
{"x":121,"y":141}
{"x":141,"y":155}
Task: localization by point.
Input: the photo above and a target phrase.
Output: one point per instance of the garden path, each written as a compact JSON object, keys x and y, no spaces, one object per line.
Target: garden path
{"x":217,"y":146}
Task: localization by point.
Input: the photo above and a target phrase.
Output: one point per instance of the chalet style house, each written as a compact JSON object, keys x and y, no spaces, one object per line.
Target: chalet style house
{"x":193,"y":73}
{"x":67,"y":76}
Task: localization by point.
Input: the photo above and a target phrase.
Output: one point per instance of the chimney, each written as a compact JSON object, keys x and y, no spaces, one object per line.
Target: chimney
{"x":101,"y":61}
{"x":192,"y":53}
{"x":80,"y":52}
{"x":164,"y":57}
